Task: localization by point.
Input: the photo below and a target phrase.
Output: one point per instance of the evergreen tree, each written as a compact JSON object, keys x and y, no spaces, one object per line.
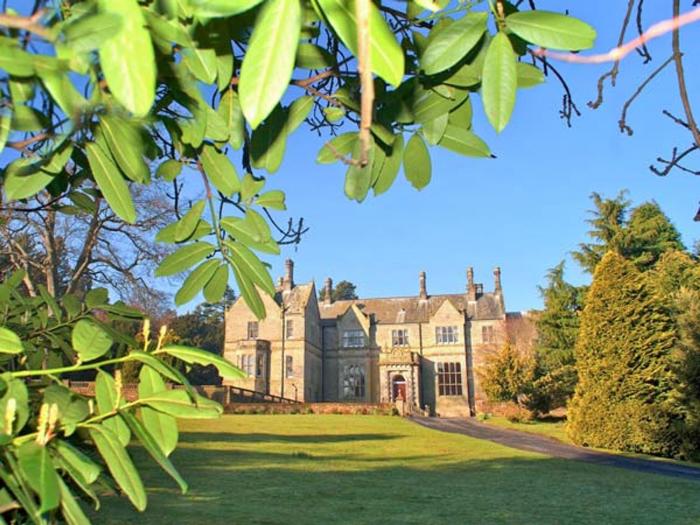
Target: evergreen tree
{"x":677,"y":281}
{"x":507,"y":375}
{"x":558,"y":323}
{"x":624,"y":398}
{"x":641,"y":234}
{"x":607,"y":229}
{"x":342,"y":291}
{"x":649,"y":234}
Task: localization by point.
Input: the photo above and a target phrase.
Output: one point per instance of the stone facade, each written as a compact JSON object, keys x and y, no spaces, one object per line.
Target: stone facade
{"x":425,"y":350}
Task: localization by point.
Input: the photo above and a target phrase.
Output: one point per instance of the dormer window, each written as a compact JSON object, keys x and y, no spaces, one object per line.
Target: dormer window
{"x":252,"y":329}
{"x":446,"y":335}
{"x":353,"y":339}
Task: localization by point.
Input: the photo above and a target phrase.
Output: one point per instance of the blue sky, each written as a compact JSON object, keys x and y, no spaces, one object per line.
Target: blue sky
{"x":525,"y":210}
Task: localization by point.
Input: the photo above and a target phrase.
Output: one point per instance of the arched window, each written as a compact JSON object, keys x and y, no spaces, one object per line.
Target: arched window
{"x":353,"y":382}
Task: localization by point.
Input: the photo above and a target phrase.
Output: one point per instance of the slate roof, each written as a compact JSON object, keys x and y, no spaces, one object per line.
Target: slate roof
{"x":396,"y":310}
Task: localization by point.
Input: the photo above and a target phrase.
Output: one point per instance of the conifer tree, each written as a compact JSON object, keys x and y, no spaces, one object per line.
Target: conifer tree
{"x":625,"y":398}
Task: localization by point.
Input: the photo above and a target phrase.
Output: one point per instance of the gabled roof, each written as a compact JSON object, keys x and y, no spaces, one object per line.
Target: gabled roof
{"x":398,"y":310}
{"x":297,"y":298}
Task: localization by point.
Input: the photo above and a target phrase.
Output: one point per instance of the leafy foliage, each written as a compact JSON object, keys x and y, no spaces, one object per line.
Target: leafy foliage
{"x":343,"y":290}
{"x":47,"y":429}
{"x":117,"y":95}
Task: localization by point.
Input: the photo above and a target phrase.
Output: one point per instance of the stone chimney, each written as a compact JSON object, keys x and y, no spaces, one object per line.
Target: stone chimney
{"x":288,"y":275}
{"x":471,"y":287}
{"x":328,"y":291}
{"x":497,"y":280}
{"x":280,"y":282}
{"x":423,"y":293}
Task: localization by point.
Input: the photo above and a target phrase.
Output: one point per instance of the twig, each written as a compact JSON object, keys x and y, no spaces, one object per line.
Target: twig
{"x":362,"y":10}
{"x":612,"y":74}
{"x":618,"y":53}
{"x":27,"y":23}
{"x":623,"y":117}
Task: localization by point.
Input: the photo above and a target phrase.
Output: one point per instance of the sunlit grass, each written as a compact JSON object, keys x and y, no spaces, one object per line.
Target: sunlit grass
{"x":373,"y":469}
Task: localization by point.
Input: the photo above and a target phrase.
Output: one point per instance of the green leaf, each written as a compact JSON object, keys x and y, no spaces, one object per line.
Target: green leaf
{"x":161,"y":426}
{"x":386,"y":55}
{"x":499,"y":82}
{"x":204,"y":358}
{"x":70,"y":507}
{"x":416,"y":162}
{"x":454,"y":43}
{"x":333,"y":113}
{"x":24,"y":178}
{"x":337,"y":147}
{"x":184,"y":258}
{"x":167,"y":234}
{"x":88,"y":469}
{"x":552,"y":30}
{"x":390,"y":168}
{"x":10,"y":342}
{"x":230,"y":111}
{"x":269,"y":60}
{"x":216,"y":8}
{"x":272,"y":199}
{"x":88,"y":32}
{"x":119,"y":465}
{"x":169,"y":170}
{"x":127,"y":58}
{"x":37,"y":469}
{"x":219,"y":170}
{"x":250,"y":187}
{"x":247,"y":287}
{"x":25,"y":118}
{"x":188,"y":223}
{"x":178,"y":404}
{"x":89,"y":340}
{"x":126,"y":146}
{"x":429,"y":105}
{"x":529,"y":75}
{"x":250,"y":229}
{"x":111,"y":183}
{"x":249,"y":264}
{"x":358,"y":178}
{"x":153,"y":448}
{"x":216,"y":287}
{"x":311,"y":56}
{"x":16,"y":61}
{"x":201,"y":63}
{"x":464,"y":142}
{"x":435,"y":129}
{"x":195,"y":281}
{"x":5,"y":121}
{"x":108,"y":400}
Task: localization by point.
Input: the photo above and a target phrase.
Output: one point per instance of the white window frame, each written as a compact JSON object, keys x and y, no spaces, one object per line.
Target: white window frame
{"x":446,"y":335}
{"x":353,"y":339}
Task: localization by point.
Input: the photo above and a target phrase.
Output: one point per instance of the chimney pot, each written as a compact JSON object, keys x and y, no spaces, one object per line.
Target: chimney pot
{"x":471,"y":288}
{"x":423,"y":293}
{"x":328,"y":291}
{"x":497,"y":279}
{"x":289,"y":274}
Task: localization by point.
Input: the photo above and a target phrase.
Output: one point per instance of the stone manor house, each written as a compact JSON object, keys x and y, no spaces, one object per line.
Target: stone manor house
{"x":425,"y":349}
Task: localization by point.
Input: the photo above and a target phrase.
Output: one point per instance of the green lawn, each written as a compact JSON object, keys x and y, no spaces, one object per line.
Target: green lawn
{"x":554,"y":427}
{"x":373,"y":469}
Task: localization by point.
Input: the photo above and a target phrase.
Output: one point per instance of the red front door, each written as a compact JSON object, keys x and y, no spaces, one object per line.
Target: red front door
{"x":399,"y":388}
